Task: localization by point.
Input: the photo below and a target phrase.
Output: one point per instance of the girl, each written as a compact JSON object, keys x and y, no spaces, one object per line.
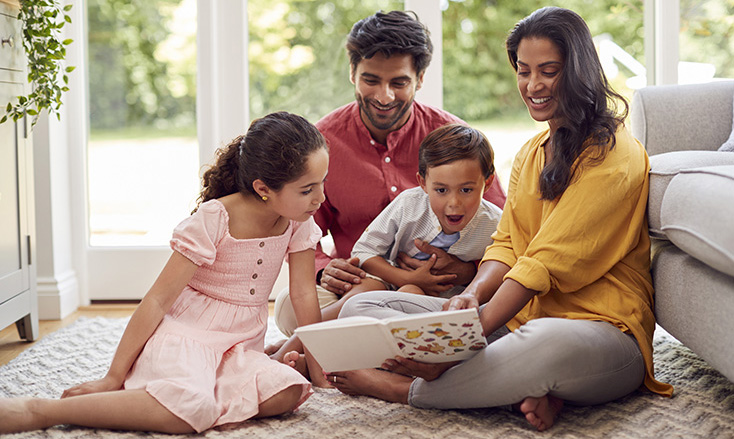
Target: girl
{"x":191,"y":357}
{"x":566,"y":285}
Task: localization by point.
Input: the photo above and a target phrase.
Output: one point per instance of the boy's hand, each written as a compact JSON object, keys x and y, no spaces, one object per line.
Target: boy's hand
{"x":431,"y":284}
{"x":445,"y":263}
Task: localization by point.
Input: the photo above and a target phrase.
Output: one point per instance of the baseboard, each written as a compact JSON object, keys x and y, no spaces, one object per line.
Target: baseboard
{"x":57,"y":296}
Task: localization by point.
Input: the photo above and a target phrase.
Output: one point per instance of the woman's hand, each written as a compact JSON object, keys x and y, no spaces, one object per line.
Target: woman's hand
{"x":461,"y":301}
{"x":427,"y":371}
{"x":341,"y":274}
{"x":105,"y":384}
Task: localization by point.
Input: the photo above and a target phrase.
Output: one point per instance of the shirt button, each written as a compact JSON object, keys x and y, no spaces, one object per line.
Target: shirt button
{"x":372,"y":142}
{"x":262,"y":244}
{"x":252,"y":291}
{"x":394,"y":189}
{"x":254,"y":276}
{"x":387,"y":159}
{"x":259,"y":261}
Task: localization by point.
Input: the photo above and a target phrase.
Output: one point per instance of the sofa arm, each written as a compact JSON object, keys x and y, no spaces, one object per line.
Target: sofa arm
{"x":669,"y":118}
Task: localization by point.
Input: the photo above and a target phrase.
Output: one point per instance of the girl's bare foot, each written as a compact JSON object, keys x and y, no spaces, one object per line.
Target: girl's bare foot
{"x":297,"y":361}
{"x":541,"y":412}
{"x":16,"y":415}
{"x":275,"y":347}
{"x":377,"y":383}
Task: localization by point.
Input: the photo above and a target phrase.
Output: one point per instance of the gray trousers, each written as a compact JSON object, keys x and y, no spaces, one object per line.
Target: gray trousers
{"x":582,"y":362}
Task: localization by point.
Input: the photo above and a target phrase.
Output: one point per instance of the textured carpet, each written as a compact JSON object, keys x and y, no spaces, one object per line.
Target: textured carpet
{"x":703,"y":405}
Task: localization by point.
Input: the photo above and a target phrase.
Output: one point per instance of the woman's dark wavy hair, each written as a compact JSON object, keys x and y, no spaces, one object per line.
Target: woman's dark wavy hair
{"x":274,"y":150}
{"x":453,"y":142}
{"x":394,"y":32}
{"x":587,"y":104}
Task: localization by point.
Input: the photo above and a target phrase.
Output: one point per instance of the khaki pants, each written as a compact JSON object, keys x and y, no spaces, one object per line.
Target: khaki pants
{"x":285,"y":317}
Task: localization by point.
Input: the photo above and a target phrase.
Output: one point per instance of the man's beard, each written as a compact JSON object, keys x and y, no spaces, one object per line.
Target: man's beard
{"x":382,"y":123}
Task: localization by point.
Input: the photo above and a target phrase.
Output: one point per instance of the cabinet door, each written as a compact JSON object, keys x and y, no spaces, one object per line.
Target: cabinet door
{"x":13,"y":241}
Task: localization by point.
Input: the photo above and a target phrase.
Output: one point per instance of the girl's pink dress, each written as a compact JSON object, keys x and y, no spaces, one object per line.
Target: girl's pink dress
{"x":205,"y":361}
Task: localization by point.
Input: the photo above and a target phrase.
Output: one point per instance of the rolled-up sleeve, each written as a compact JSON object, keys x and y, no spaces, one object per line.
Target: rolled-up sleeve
{"x":570,"y":242}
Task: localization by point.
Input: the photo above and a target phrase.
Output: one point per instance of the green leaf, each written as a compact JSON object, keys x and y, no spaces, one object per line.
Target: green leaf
{"x":67,"y":41}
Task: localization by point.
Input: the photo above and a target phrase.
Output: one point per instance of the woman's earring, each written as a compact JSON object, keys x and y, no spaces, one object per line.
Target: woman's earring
{"x":264,"y":198}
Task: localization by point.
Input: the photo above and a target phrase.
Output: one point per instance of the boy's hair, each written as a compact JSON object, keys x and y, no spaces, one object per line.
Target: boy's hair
{"x":395,"y":32}
{"x":453,"y":142}
{"x":274,"y":150}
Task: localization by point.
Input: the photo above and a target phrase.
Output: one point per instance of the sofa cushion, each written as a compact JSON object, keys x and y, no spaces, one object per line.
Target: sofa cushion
{"x":663,"y":167}
{"x":728,"y":146}
{"x":696,"y":215}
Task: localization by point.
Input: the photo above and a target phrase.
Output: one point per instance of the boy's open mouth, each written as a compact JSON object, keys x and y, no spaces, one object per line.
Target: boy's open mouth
{"x":454,"y":219}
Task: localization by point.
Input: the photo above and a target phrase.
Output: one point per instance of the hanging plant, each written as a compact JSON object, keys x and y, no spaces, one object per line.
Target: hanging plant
{"x":42,"y":21}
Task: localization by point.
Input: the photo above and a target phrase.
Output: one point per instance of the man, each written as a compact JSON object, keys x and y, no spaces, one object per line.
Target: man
{"x":374,"y":144}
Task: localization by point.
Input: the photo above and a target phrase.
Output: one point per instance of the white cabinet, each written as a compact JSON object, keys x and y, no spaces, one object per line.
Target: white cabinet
{"x":18,"y":299}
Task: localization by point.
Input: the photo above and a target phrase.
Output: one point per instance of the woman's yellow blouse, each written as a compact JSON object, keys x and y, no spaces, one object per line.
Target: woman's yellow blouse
{"x":587,"y":253}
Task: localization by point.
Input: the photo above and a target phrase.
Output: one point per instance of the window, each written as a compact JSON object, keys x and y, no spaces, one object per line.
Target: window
{"x":143,"y":153}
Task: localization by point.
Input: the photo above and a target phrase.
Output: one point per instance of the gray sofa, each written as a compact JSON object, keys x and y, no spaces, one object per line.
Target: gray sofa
{"x":691,"y":213}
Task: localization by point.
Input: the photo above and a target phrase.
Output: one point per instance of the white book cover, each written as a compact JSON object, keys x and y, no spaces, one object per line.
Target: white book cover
{"x":361,"y":342}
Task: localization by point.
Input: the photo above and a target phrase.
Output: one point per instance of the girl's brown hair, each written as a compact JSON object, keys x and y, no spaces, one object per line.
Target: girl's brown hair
{"x":274,"y":150}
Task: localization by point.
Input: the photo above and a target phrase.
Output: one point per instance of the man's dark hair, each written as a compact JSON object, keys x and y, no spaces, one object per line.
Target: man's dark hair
{"x":394,"y":32}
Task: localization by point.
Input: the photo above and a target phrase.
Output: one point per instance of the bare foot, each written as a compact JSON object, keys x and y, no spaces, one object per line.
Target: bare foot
{"x":541,"y":412}
{"x":15,"y":415}
{"x":273,"y":348}
{"x":297,"y":361}
{"x":377,"y":383}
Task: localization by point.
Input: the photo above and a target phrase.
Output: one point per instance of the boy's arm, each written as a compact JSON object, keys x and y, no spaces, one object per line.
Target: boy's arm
{"x":431,"y":284}
{"x":446,"y":263}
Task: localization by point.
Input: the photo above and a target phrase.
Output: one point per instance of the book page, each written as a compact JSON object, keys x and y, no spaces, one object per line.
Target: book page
{"x":439,"y":337}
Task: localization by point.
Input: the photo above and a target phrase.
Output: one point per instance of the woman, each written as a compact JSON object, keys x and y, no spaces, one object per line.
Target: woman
{"x":565,"y":288}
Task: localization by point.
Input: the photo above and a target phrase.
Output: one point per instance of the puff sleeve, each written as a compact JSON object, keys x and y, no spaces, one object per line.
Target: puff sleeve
{"x":305,"y":235}
{"x":198,"y":236}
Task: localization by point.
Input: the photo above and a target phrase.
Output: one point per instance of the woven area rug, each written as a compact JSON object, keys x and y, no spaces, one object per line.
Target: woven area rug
{"x":702,"y":407}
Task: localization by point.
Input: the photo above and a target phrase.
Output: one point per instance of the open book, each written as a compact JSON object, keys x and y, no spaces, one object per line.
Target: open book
{"x":365,"y":342}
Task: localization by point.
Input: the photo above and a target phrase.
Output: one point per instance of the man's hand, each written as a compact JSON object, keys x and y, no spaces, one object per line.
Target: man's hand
{"x":408,"y":367}
{"x":445,"y":263}
{"x":340,"y":274}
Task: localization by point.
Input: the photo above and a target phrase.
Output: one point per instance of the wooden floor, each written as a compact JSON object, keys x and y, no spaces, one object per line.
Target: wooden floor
{"x":11,"y":345}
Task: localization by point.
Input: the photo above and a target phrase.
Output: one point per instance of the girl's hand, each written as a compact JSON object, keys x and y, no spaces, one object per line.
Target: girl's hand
{"x":427,"y":371}
{"x":321,"y":381}
{"x":461,"y":301}
{"x":105,"y":384}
